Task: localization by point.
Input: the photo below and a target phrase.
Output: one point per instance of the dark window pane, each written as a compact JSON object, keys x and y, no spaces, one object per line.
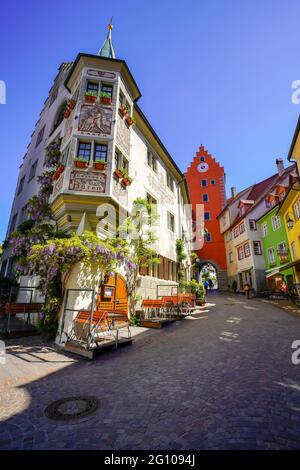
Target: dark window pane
{"x":107,"y":89}
{"x":84,"y":150}
{"x":100,"y":152}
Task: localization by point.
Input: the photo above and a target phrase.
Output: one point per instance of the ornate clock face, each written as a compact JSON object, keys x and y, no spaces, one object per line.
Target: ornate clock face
{"x":202,"y":167}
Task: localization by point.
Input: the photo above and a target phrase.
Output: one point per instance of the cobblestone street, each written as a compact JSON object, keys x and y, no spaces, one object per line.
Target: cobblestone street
{"x":220,"y":380}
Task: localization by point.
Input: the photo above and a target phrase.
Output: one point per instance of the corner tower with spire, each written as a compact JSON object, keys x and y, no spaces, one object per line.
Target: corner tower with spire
{"x":107,"y":50}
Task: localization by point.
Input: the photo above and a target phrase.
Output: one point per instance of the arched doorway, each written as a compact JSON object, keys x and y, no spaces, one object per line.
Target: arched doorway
{"x":209,"y":273}
{"x":218,"y":275}
{"x":113,"y":294}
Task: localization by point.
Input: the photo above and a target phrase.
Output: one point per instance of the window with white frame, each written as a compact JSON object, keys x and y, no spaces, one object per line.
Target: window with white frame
{"x":296,"y":209}
{"x":271,"y":255}
{"x":252,"y":224}
{"x":276,"y":222}
{"x":32,"y":171}
{"x":84,"y":151}
{"x":13,"y":223}
{"x":204,"y":197}
{"x":247,"y":250}
{"x":100,"y":152}
{"x":40,"y":136}
{"x":203,"y":183}
{"x":294,"y":251}
{"x":282,"y":247}
{"x":121,"y":161}
{"x":105,"y":88}
{"x":264,"y":229}
{"x":257,"y":248}
{"x":242,"y":228}
{"x":53,"y":95}
{"x":207,"y":215}
{"x":152,"y":161}
{"x":240,"y":252}
{"x":92,"y":87}
{"x":236,"y":232}
{"x":171,"y":222}
{"x":21,"y":185}
{"x":170,"y":182}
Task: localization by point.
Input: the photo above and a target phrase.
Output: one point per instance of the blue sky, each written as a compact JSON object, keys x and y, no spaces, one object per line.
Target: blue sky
{"x":215,"y":72}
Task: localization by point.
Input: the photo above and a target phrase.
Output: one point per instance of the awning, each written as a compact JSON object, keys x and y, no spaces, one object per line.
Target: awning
{"x":272,"y":272}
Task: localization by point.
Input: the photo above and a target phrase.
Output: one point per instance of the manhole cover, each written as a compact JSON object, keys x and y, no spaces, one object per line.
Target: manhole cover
{"x":72,"y":408}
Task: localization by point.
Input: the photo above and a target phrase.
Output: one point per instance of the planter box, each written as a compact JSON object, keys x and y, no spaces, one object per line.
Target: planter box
{"x":72,"y":104}
{"x":129,"y":121}
{"x":100,"y":166}
{"x":122,"y":111}
{"x":126,"y":182}
{"x":80,"y":164}
{"x":118,"y":174}
{"x":60,"y":169}
{"x":105,"y":100}
{"x":67,"y":114}
{"x":55,"y":176}
{"x":90,"y":99}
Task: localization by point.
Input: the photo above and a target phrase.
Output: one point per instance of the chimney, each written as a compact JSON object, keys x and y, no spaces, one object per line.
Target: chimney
{"x":280,"y":166}
{"x":233,"y":191}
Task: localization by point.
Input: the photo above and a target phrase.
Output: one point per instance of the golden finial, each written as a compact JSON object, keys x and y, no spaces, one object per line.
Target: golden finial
{"x":110,"y":26}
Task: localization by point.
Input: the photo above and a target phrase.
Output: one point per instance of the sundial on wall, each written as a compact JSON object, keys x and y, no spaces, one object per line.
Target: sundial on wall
{"x":202,"y":167}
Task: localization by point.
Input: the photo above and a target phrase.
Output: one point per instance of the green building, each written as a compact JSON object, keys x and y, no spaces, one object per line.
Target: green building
{"x":275,"y":249}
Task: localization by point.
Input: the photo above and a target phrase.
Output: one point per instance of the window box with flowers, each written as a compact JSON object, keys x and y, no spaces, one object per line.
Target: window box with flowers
{"x":130,"y":120}
{"x":118,"y":173}
{"x":59,"y":170}
{"x":124,"y":110}
{"x":67,"y":112}
{"x":126,"y":179}
{"x":105,"y":98}
{"x":71,"y":104}
{"x":81,"y":163}
{"x":90,"y":97}
{"x":100,"y":164}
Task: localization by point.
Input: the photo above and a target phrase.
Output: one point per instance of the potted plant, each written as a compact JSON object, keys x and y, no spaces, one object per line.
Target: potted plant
{"x":90,"y":97}
{"x":130,"y":120}
{"x":105,"y":98}
{"x":100,"y":164}
{"x":81,"y":162}
{"x":71,"y":104}
{"x":124,"y":110}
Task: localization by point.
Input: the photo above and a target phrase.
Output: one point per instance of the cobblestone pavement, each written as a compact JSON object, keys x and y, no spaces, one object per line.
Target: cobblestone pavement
{"x":219,"y":380}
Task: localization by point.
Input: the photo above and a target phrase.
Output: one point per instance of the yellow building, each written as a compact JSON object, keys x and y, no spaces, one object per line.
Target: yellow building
{"x":290,"y":212}
{"x":294,"y":153}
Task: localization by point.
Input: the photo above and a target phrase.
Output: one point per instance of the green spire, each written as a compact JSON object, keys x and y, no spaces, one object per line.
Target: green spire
{"x":107,"y":50}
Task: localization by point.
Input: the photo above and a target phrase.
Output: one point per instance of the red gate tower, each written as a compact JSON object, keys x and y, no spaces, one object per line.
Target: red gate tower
{"x":206,"y":181}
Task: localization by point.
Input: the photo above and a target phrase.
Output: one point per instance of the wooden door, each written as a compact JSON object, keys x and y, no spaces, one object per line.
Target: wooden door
{"x":113,"y":295}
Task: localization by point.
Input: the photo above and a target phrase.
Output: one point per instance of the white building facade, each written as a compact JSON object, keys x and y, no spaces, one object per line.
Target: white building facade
{"x":100,"y":130}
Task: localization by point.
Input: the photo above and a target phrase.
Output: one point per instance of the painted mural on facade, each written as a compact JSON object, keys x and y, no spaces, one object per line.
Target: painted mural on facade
{"x":95,"y":119}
